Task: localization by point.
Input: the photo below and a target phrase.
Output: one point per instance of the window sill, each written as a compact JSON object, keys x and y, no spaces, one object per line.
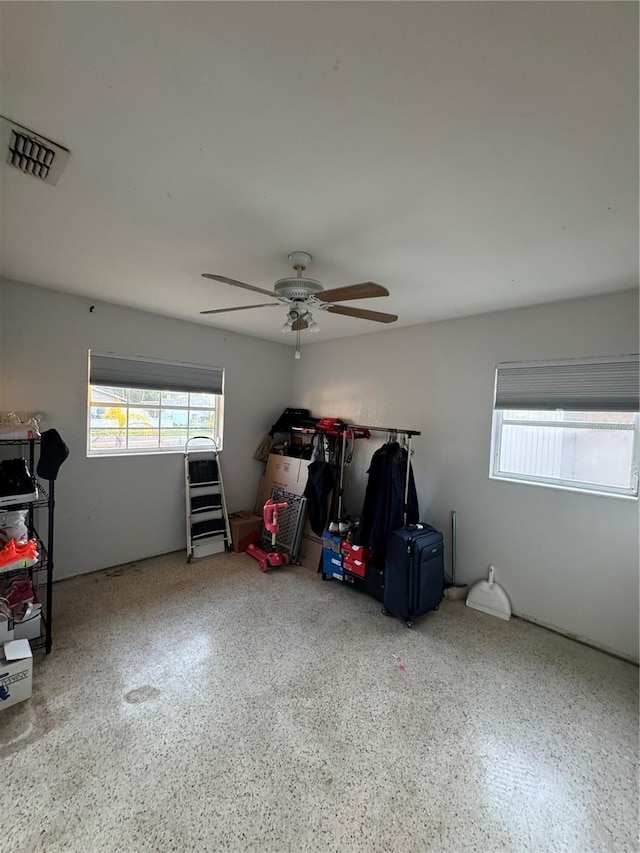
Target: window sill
{"x":130,"y":453}
{"x":575,"y":490}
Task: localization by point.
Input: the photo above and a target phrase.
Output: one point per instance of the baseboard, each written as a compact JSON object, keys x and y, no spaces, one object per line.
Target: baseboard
{"x":122,"y":565}
{"x":578,"y":638}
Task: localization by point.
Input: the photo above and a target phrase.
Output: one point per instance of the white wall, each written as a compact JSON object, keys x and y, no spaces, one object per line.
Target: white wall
{"x":569,"y":560}
{"x":112,"y":510}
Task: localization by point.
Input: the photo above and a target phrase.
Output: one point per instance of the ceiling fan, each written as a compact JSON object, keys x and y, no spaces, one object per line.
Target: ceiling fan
{"x":304,"y":295}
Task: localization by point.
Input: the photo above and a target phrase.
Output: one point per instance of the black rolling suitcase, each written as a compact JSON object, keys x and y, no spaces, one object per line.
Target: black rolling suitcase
{"x":414,"y":572}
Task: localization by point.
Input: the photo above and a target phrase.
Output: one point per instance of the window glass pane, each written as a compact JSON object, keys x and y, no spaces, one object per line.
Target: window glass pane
{"x":141,"y":395}
{"x":523,"y":415}
{"x":175,"y":438}
{"x":171,"y":418}
{"x":98,"y":416}
{"x":200,"y":441}
{"x":557,"y":415}
{"x":579,"y":455}
{"x":106,"y":439}
{"x":174,"y":424}
{"x":140,"y":418}
{"x":175,"y":398}
{"x":134,"y":420}
{"x":202,"y":400}
{"x":107,"y":395}
{"x":600,"y":417}
{"x":110,"y":421}
{"x":201,"y":421}
{"x":142,"y":439}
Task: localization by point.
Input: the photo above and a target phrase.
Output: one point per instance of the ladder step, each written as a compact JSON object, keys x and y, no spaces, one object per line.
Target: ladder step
{"x":203,"y":503}
{"x":203,"y":471}
{"x":208,"y":530}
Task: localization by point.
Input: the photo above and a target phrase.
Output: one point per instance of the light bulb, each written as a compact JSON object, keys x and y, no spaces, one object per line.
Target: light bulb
{"x":314,"y":328}
{"x":287,"y":326}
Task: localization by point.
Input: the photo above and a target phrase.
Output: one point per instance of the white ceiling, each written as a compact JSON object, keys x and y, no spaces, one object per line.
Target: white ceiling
{"x":469,"y":156}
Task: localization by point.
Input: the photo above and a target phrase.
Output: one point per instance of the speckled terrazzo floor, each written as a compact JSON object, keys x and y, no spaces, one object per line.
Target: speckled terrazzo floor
{"x":212,"y":707}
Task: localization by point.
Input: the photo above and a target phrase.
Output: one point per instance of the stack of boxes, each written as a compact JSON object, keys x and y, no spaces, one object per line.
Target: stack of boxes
{"x":355,"y":559}
{"x":331,"y":556}
{"x":342,"y":560}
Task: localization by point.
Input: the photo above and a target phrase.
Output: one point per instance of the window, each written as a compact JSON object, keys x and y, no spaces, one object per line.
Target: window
{"x":131,"y":411}
{"x":541,"y":436}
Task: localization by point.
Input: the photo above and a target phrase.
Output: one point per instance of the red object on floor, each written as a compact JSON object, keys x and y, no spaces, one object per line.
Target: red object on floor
{"x":267,"y":559}
{"x":270,"y":559}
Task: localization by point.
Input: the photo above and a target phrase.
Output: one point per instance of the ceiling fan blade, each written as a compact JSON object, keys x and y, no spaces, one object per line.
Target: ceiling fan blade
{"x":240,"y":308}
{"x":235,"y":283}
{"x":363,"y":314}
{"x":366,"y":290}
{"x":299,"y":325}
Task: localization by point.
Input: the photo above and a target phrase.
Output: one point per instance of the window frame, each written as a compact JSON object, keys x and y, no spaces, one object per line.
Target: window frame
{"x":218,"y":410}
{"x":583,"y":487}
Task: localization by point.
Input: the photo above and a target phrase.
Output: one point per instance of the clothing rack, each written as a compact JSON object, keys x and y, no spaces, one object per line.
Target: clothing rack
{"x":395,"y":431}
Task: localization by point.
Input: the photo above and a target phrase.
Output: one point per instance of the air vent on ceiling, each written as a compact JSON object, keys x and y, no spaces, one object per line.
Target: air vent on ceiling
{"x":32,"y":154}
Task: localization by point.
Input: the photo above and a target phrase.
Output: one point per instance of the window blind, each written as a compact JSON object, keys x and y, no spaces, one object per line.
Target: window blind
{"x":135,"y":372}
{"x":610,"y":384}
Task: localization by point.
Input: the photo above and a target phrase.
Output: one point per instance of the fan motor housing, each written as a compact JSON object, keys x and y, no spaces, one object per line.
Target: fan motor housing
{"x":297,"y":288}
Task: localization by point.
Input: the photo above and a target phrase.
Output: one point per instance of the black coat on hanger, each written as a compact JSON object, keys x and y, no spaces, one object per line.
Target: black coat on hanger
{"x":383,"y":509}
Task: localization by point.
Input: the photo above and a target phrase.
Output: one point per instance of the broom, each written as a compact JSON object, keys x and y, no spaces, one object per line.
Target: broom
{"x":455,"y":591}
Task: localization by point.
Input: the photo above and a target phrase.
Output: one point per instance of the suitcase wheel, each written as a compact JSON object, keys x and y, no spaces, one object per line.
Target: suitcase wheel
{"x":409,"y":623}
{"x":385,"y":612}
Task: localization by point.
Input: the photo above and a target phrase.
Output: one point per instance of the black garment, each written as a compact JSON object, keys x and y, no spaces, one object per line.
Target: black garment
{"x":383,"y":509}
{"x":53,"y":452}
{"x":322,"y":479}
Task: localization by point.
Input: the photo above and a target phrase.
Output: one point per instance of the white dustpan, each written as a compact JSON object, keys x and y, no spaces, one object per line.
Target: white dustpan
{"x":489,"y":597}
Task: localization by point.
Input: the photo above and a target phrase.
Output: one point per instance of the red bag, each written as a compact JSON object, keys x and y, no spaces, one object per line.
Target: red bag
{"x":331,"y":426}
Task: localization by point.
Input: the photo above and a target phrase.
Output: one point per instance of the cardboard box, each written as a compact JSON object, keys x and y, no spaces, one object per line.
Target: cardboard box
{"x":282,"y":472}
{"x":310,"y":553}
{"x":332,"y":541}
{"x":356,"y":567}
{"x":16,"y":673}
{"x":332,"y":564}
{"x":355,"y":558}
{"x":245,"y":529}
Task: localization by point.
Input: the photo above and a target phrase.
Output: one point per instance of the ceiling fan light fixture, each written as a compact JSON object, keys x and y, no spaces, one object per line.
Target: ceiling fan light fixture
{"x":301,"y":294}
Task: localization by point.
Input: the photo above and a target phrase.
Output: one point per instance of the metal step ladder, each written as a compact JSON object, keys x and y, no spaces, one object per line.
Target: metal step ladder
{"x":208,"y":530}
